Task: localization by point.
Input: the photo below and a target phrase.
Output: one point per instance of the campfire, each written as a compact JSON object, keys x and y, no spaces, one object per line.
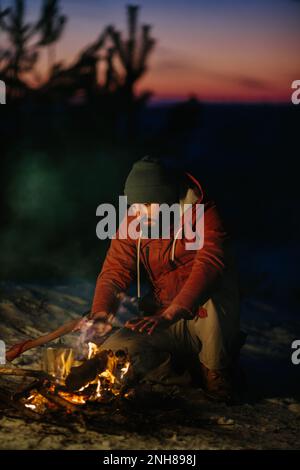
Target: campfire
{"x":66,"y":381}
{"x":89,"y":388}
{"x":81,"y":387}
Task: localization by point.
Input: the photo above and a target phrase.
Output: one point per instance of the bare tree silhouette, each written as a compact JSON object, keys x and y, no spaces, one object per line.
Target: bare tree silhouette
{"x":51,"y":26}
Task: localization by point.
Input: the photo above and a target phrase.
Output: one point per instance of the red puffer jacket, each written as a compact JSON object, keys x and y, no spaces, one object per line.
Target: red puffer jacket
{"x":181,"y":277}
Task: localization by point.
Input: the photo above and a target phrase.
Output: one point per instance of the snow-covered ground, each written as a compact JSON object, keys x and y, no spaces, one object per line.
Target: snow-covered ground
{"x":267,"y":418}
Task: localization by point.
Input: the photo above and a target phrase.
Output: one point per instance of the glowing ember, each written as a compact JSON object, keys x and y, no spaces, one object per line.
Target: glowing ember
{"x":29,"y":405}
{"x":37,"y":403}
{"x":72,"y":398}
{"x":84,"y":387}
{"x":98,"y":389}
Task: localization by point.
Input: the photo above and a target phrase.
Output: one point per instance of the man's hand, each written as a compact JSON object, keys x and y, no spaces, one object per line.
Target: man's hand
{"x":95,"y":323}
{"x":163,"y":320}
{"x":147,"y":324}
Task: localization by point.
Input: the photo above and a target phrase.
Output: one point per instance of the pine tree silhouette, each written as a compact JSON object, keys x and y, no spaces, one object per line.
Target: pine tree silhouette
{"x":3,"y":13}
{"x":4,"y":54}
{"x":124,"y":60}
{"x":51,"y":26}
{"x":21,"y":56}
{"x":133,"y":53}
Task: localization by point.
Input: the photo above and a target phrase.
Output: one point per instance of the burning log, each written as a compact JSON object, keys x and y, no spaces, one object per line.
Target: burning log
{"x":25,"y":391}
{"x":57,"y":400}
{"x":87,"y":372}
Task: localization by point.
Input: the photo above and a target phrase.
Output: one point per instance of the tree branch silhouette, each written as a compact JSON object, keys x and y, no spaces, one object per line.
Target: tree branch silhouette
{"x":51,"y":26}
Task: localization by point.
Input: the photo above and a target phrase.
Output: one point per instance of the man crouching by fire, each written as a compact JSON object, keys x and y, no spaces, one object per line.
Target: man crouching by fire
{"x":190,"y":319}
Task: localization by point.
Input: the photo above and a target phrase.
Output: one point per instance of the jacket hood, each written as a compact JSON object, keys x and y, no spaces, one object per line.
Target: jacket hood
{"x":194,"y":193}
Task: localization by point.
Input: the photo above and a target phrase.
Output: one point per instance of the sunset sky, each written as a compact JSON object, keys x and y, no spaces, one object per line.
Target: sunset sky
{"x":219,"y":50}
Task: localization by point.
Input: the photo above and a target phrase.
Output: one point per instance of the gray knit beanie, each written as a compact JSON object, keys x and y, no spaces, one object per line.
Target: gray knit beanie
{"x":150,"y":182}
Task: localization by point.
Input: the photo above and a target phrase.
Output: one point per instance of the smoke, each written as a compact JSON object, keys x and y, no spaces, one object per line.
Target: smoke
{"x":38,"y":208}
{"x":36,"y":192}
{"x":50,"y":222}
{"x":97,"y":331}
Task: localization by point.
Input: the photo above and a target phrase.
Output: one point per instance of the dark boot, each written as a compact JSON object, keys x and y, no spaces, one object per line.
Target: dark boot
{"x":217,"y":384}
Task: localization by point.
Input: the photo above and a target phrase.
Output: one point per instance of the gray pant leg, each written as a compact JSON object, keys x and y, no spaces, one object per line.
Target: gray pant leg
{"x":150,"y":356}
{"x":206,"y":339}
{"x":214,"y":336}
